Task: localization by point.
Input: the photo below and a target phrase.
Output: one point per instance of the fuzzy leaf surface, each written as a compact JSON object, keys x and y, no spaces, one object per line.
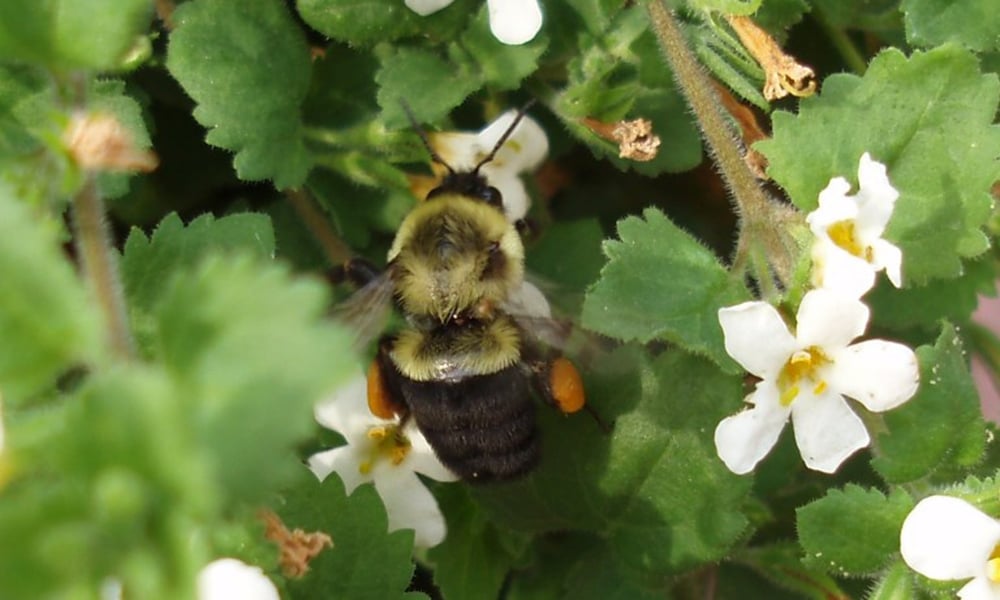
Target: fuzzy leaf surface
{"x":941,"y":427}
{"x":46,"y":315}
{"x":247,"y":67}
{"x":654,"y":477}
{"x":246,"y":342}
{"x":972,"y":23}
{"x":62,"y":34}
{"x":661,"y":283}
{"x":853,"y":531}
{"x":366,"y":561}
{"x":430,"y":85}
{"x":929,"y":118}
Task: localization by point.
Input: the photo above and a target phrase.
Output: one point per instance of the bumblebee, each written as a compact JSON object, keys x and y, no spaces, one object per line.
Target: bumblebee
{"x":470,"y":356}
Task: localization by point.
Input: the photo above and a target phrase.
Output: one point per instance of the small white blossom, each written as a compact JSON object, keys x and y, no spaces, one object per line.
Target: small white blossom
{"x":378,"y":451}
{"x":228,"y":579}
{"x":523,"y":151}
{"x":512,"y":22}
{"x":947,"y":538}
{"x":805,"y":376}
{"x":849,"y":248}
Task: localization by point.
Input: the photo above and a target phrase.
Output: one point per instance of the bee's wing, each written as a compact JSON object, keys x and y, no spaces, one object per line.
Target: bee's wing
{"x":530,"y":309}
{"x":367,"y":310}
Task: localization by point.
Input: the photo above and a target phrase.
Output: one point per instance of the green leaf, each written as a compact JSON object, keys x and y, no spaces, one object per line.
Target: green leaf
{"x":924,"y":306}
{"x":47,"y":317}
{"x":654,"y":487}
{"x":429,"y":84}
{"x":501,"y":66}
{"x":365,"y":23}
{"x":247,"y":66}
{"x":929,"y":119}
{"x":62,"y":34}
{"x":781,"y":565}
{"x":472,"y":562}
{"x":974,"y":23}
{"x":246,"y":345}
{"x":854,"y":531}
{"x":660,"y":283}
{"x":366,"y":561}
{"x":109,"y":96}
{"x":895,"y":584}
{"x":22,"y":89}
{"x":731,"y":7}
{"x":941,"y":427}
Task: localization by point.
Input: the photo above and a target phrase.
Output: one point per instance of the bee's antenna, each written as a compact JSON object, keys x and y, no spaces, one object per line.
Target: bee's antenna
{"x":503,"y":138}
{"x":423,"y":138}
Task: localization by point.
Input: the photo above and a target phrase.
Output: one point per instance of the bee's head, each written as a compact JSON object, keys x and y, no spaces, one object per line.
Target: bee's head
{"x":453,"y":255}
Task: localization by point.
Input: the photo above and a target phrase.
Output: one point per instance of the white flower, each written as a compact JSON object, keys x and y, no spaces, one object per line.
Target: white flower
{"x":426,"y":7}
{"x":378,"y":451}
{"x":947,"y":538}
{"x":849,"y":248}
{"x":228,"y":579}
{"x":512,"y":22}
{"x":805,"y":376}
{"x":523,"y":151}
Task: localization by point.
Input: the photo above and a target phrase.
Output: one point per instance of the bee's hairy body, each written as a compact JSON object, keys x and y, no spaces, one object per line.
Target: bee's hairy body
{"x":457,"y":366}
{"x":462,"y":367}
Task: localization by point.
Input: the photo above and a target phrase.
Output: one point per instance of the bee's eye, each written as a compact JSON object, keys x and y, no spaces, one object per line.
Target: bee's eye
{"x":492,"y":197}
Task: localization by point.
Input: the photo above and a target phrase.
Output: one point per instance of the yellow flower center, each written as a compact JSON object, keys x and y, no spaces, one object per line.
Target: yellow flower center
{"x":993,"y":565}
{"x":843,"y":234}
{"x":802,"y":366}
{"x":389,"y":443}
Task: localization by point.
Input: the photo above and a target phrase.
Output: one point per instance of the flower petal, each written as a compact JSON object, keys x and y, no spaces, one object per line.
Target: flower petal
{"x":227,"y":578}
{"x":426,"y":7}
{"x":410,"y":505}
{"x":830,"y":320}
{"x":459,"y":149}
{"x":876,"y":198}
{"x":525,"y":148}
{"x":834,"y":206}
{"x":514,"y":22}
{"x":947,"y":538}
{"x":888,"y":256}
{"x":840,"y":271}
{"x":980,"y":588}
{"x":879,"y":374}
{"x":826,"y":430}
{"x":529,"y":301}
{"x":512,"y":192}
{"x":422,"y":458}
{"x":346,"y":410}
{"x":345,"y":461}
{"x":743,"y":439}
{"x":746,"y":326}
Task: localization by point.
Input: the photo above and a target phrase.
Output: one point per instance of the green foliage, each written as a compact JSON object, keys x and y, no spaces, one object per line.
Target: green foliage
{"x":933,"y":130}
{"x":972,"y":23}
{"x":247,"y":67}
{"x":665,"y":285}
{"x":941,"y":428}
{"x":366,"y":561}
{"x":60,"y":34}
{"x":284,"y":149}
{"x":47,"y":323}
{"x":854,"y":531}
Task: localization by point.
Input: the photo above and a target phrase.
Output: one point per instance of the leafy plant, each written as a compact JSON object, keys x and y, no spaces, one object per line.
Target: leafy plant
{"x":177,"y":177}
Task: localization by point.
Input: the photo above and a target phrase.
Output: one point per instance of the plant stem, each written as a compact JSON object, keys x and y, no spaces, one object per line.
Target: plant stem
{"x":841,"y":41}
{"x":100,"y":266}
{"x":762,"y":221}
{"x":335,"y":250}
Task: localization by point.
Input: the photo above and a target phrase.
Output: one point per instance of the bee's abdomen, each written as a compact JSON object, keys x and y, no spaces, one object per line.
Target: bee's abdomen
{"x":481,"y":427}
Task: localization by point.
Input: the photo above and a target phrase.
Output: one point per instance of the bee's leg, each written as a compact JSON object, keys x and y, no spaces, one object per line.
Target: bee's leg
{"x":356,"y":270}
{"x":381,"y":402}
{"x":560,"y":384}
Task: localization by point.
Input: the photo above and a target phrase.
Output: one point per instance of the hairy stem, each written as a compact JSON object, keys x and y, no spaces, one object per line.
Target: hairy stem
{"x":100,"y":268}
{"x":334,"y":249}
{"x":762,"y":221}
